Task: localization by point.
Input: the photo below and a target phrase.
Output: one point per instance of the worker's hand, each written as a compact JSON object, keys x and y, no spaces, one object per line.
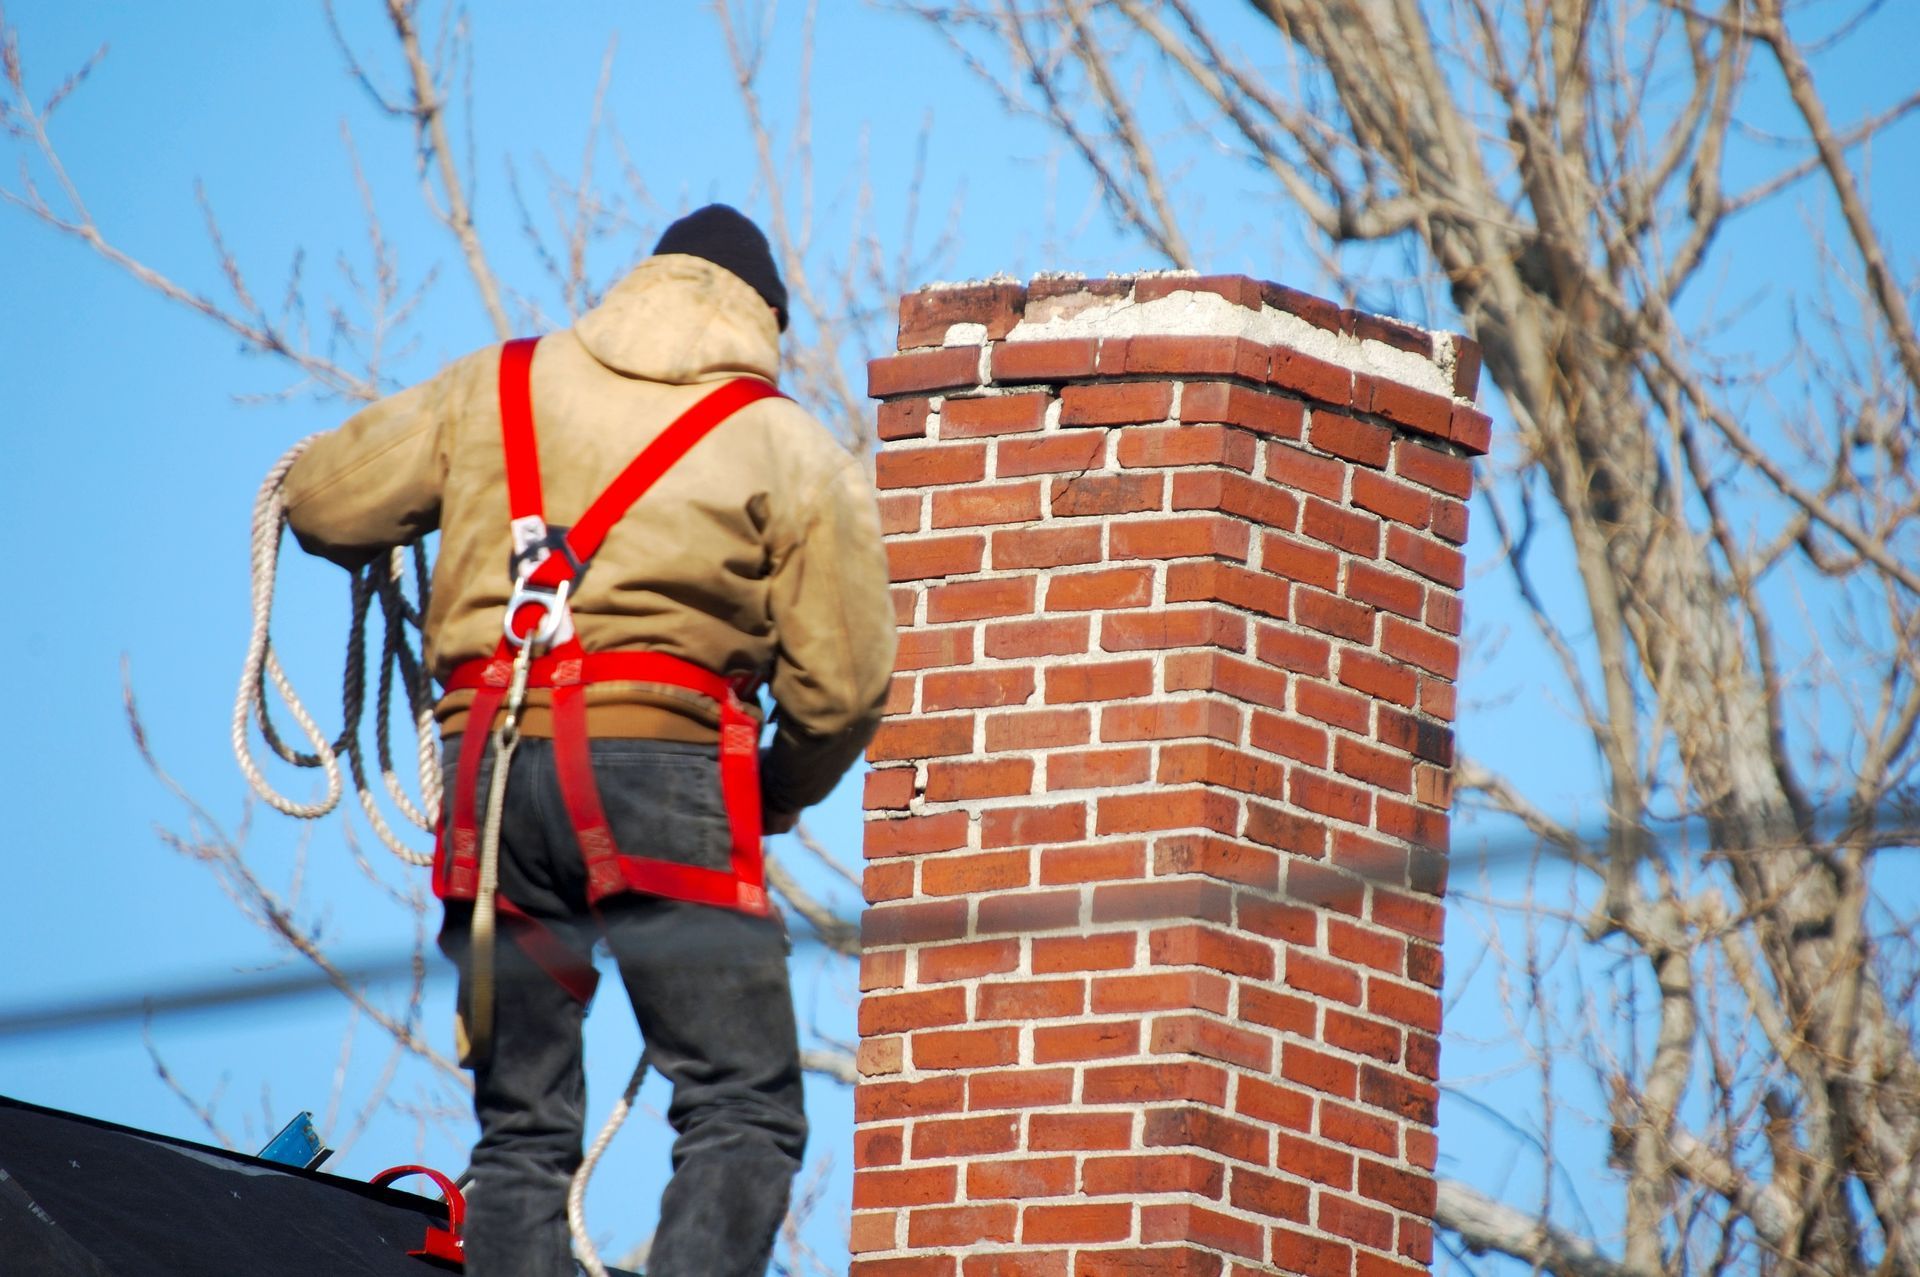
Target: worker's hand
{"x":779,"y":822}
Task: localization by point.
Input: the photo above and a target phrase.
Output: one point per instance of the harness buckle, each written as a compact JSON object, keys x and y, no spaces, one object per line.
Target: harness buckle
{"x":533,"y":541}
{"x":556,"y":618}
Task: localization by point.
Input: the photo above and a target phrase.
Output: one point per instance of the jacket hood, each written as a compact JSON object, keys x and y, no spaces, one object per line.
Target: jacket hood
{"x":682,"y":319}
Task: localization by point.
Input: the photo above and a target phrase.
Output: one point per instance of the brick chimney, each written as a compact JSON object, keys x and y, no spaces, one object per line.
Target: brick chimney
{"x":1156,"y":827}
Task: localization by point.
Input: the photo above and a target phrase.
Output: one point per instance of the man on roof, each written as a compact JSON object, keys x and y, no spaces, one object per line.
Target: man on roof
{"x":661,"y":534}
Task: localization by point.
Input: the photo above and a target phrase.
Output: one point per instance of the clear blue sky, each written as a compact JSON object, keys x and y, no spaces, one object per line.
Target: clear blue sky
{"x":130,"y":465}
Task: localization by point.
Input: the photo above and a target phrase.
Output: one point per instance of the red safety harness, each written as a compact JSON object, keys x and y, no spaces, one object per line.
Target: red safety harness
{"x":547,"y":564}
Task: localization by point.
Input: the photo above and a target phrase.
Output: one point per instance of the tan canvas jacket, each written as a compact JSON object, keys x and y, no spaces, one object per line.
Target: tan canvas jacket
{"x":759,"y":551}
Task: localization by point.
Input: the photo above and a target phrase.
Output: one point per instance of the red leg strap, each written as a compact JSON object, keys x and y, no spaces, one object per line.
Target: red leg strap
{"x":457,"y":857}
{"x":571,"y":970}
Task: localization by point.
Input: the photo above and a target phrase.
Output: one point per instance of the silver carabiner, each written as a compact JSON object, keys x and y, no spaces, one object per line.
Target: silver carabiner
{"x":556,"y":619}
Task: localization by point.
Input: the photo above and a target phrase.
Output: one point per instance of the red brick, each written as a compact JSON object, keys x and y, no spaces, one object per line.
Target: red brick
{"x":922,"y":737}
{"x":1417,"y":736}
{"x":906,"y":374}
{"x":1053,"y":636}
{"x":1019,"y":1088}
{"x":1037,"y":729}
{"x":1161,"y":991}
{"x":1316,"y":1069}
{"x":1278,"y":920}
{"x":1120,"y":403}
{"x":1415,"y":1007}
{"x":931,"y":466}
{"x":888,"y":789}
{"x":1433,"y":468}
{"x":891,"y":1101}
{"x":1471,"y":430}
{"x":1053,"y":1132}
{"x":1291,"y":649}
{"x":1326,"y":613}
{"x":920,"y":1009}
{"x":1312,"y":884}
{"x":1357,"y":1128}
{"x":1213,"y":581}
{"x":1389,"y":498}
{"x":1028,"y":911}
{"x":900,"y":512}
{"x":955,"y":875}
{"x":1097,"y":769}
{"x":1105,"y":681}
{"x":1314,"y":378}
{"x":1333,"y":706}
{"x":1140,"y":1173}
{"x":915,"y":835}
{"x":1168,"y":720}
{"x":1161,"y":1080}
{"x":1229,"y":860}
{"x":1238,"y":289}
{"x":1024,"y":1177}
{"x":916,"y":1266}
{"x":1168,"y":809}
{"x":965,"y":1048}
{"x":1267,"y":1195}
{"x":1102,"y":495}
{"x":1206,"y":947}
{"x":1435,"y":653}
{"x":1213,"y":764}
{"x":1029,"y":999}
{"x":883,"y":970}
{"x":960,"y":1225}
{"x":1369,"y":948}
{"x":1046,"y":547}
{"x":1354,"y":531}
{"x":1197,"y":1035}
{"x":1323,"y":979}
{"x":1280,"y":1011}
{"x":1412,"y":915}
{"x":1386,"y":590}
{"x":1028,"y":826}
{"x":914,"y":923}
{"x":1290,"y":738}
{"x":980,"y":505}
{"x":1343,"y":436}
{"x":1235,"y":494}
{"x":1425,"y":965}
{"x":1110,"y":951}
{"x":939,"y":964}
{"x":1444,"y":613}
{"x":975,"y":689}
{"x":1145,"y":447}
{"x":1374,"y":767}
{"x":1162,"y":627}
{"x":992,"y":415}
{"x":874,"y":1230}
{"x":1179,"y":537}
{"x":1098,"y":1040}
{"x":1201,"y":1128}
{"x":1107,"y":589}
{"x":1232,"y":405}
{"x":1437,"y":698}
{"x":1155,"y":1261}
{"x":1412,"y":1099}
{"x":1044,"y":360}
{"x":905,"y":599}
{"x":1188,"y":1221}
{"x":922,"y":649}
{"x":1049,"y":454}
{"x":1420,"y":410}
{"x":1094,"y":1222}
{"x":1394,"y":333}
{"x":903,"y":419}
{"x":1423,"y":1059}
{"x":995,"y":778}
{"x":1152,"y":901}
{"x":1308,"y":1253}
{"x":1183,"y":355}
{"x":1441,"y":563}
{"x":1289,"y":1109}
{"x":977,"y":600}
{"x":926,"y":315}
{"x":1298,"y":560}
{"x":1303,"y":471}
{"x":1421,"y":826}
{"x":915,"y":1186}
{"x":1367,"y":1225}
{"x":1105,"y":861}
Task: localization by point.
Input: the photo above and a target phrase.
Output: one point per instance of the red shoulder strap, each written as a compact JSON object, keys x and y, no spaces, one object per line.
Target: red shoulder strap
{"x":516,"y":428}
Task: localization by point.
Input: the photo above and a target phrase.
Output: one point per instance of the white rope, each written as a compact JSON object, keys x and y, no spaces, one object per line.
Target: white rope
{"x":398,"y":659}
{"x":583,"y":1248}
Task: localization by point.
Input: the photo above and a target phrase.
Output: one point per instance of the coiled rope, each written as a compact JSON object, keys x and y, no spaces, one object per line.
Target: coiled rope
{"x":400,"y":663}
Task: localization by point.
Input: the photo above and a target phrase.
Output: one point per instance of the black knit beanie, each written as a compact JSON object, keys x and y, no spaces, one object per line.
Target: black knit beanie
{"x":728,"y":238}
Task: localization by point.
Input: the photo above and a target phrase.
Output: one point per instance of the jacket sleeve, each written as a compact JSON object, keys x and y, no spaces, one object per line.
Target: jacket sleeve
{"x":375,"y":482}
{"x":834,"y":618}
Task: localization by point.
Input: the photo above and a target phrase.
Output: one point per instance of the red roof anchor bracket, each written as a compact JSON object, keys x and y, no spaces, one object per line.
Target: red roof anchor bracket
{"x":443,"y":1245}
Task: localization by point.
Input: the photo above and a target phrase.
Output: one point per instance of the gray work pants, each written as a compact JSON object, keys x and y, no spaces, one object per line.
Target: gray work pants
{"x":710,"y":991}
